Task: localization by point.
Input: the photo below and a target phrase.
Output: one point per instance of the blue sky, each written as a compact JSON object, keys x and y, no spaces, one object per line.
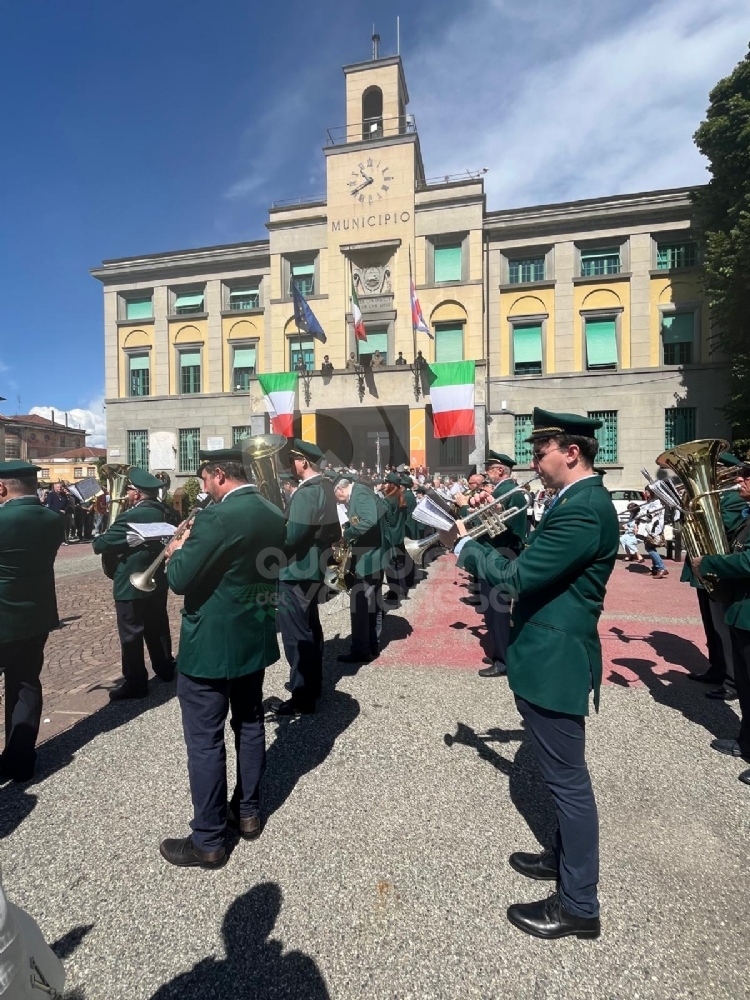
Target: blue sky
{"x":161,"y":124}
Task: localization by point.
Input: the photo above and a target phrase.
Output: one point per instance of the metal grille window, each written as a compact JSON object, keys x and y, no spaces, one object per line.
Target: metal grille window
{"x":527,"y":349}
{"x":448,"y":263}
{"x":670,"y":256}
{"x":529,"y":269}
{"x":523,"y":426}
{"x":595,"y":262}
{"x":138,"y":449}
{"x":301,"y":349}
{"x":450,"y":452}
{"x":243,"y":298}
{"x":139,"y":308}
{"x":240,"y":432}
{"x":303,"y":276}
{"x":243,"y":368}
{"x":679,"y":425}
{"x":606,"y":435}
{"x":190,"y":443}
{"x":449,"y":342}
{"x":138,"y":365}
{"x":678,"y":334}
{"x":190,"y":371}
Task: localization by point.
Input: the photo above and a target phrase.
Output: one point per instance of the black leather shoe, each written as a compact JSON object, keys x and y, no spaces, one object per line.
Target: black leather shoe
{"x":539,"y":866}
{"x":185,"y":854}
{"x":290,"y":707}
{"x":487,"y":659}
{"x":722,"y":694}
{"x":708,"y":678}
{"x":353,"y":658}
{"x":493,"y":671}
{"x":249,"y":826}
{"x":731,"y":748}
{"x":549,"y":919}
{"x":166,"y":675}
{"x":745,"y":777}
{"x":128,"y":690}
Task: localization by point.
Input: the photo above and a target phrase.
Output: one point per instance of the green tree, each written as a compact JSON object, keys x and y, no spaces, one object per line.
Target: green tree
{"x":722,"y":218}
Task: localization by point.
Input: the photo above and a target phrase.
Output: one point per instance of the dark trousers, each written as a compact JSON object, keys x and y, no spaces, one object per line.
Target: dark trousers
{"x":21,"y":662}
{"x":497,"y":620}
{"x":302,"y":635}
{"x":559,"y":743}
{"x":205,"y":704}
{"x":145,"y":620}
{"x":363,"y":606}
{"x":713,"y":641}
{"x":741,"y":660}
{"x":410,"y":571}
{"x":395,"y":573}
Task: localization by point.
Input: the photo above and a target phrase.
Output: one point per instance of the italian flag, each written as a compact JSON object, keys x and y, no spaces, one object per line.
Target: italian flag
{"x":359,"y":327}
{"x":452,"y":398}
{"x":279,"y":390}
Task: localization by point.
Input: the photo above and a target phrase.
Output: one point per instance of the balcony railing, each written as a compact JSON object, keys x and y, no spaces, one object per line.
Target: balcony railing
{"x":371,"y":129}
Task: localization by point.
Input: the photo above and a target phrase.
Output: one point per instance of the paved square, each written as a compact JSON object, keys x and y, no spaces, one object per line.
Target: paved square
{"x":382,"y":870}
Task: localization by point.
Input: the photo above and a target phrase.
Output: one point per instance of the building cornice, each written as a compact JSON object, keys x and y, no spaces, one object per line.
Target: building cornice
{"x":376,"y":64}
{"x":182,"y":262}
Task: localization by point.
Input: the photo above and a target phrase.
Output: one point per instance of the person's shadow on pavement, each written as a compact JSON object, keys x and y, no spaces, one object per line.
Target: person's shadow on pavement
{"x":255,"y":967}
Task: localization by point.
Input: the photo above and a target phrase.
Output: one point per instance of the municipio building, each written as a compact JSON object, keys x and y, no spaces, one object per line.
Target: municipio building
{"x":590,"y":306}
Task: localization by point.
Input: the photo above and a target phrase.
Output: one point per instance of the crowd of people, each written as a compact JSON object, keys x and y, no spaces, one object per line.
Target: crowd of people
{"x":82,"y":519}
{"x":251,"y":572}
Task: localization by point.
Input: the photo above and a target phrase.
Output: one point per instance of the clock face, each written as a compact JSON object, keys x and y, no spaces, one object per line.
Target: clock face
{"x":370,"y":181}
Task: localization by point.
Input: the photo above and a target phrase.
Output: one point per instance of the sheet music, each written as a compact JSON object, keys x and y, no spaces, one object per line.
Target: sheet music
{"x":153,"y":529}
{"x":428,"y":512}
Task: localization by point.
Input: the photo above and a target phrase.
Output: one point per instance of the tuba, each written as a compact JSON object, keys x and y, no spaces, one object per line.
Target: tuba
{"x":117,"y":481}
{"x":703,"y":528}
{"x":259,"y":456}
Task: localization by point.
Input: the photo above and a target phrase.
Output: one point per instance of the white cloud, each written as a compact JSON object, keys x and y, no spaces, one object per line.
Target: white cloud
{"x":91,"y":418}
{"x":602,"y":99}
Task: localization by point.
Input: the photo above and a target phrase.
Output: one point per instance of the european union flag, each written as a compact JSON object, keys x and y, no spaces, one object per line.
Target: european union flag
{"x":304,"y":317}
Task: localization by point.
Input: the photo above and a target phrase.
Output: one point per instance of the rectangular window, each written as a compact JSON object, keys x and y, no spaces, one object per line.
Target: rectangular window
{"x":188,"y":302}
{"x":601,"y":343}
{"x":606,"y":435}
{"x":243,"y":298}
{"x":377,"y":340}
{"x":451,"y":452}
{"x":91,"y":470}
{"x":670,"y":256}
{"x":240,"y":432}
{"x":303,"y":276}
{"x":138,"y":365}
{"x":595,"y":262}
{"x":523,"y":426}
{"x":448,"y":263}
{"x":139,"y":308}
{"x":44,"y":473}
{"x":243,"y":368}
{"x":190,"y":444}
{"x":301,"y":352}
{"x":529,"y":269}
{"x":677,"y":334}
{"x":77,"y":472}
{"x":679,"y":425}
{"x":138,"y":449}
{"x":449,"y":342}
{"x":527,"y":349}
{"x":190,"y":371}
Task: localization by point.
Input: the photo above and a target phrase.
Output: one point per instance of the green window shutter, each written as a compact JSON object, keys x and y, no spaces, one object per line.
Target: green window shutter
{"x":190,"y":442}
{"x":679,"y":426}
{"x":244,"y":357}
{"x":448,"y":263}
{"x":523,"y":425}
{"x":298,"y":270}
{"x":190,"y":359}
{"x":374,"y":342}
{"x":601,"y":343}
{"x":527,"y":344}
{"x":138,"y":362}
{"x":139,"y":308}
{"x":449,"y":343}
{"x":192,"y":301}
{"x":594,"y":262}
{"x":678,"y":328}
{"x":606,"y":435}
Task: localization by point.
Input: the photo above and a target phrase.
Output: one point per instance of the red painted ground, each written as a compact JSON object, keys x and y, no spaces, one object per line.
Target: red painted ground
{"x":441,"y":630}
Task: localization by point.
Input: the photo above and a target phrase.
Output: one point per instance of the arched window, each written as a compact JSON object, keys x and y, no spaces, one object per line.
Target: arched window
{"x":372,"y":113}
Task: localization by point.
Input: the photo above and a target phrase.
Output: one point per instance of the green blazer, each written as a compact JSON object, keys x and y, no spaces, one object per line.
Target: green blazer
{"x":517,"y":527}
{"x":365,"y":531}
{"x":736,"y":568}
{"x":133,"y":560}
{"x":558,"y":584}
{"x":228,"y":570}
{"x":732,"y":506}
{"x":30,"y":536}
{"x":312,"y":527}
{"x":395,"y":522}
{"x":412,"y":526}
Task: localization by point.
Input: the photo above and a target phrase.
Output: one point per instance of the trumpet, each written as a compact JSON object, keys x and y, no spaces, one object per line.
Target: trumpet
{"x":492,"y":518}
{"x":146,"y":579}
